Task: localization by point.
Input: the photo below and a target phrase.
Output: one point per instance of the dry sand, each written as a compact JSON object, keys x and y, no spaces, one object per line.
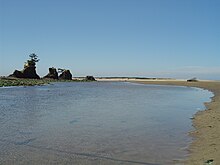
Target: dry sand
{"x":206,"y":145}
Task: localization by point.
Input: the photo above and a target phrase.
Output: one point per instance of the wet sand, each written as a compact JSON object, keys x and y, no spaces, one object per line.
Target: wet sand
{"x":206,"y":144}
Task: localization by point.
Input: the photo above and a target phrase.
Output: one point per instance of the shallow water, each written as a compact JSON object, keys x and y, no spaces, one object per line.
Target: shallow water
{"x":97,"y":123}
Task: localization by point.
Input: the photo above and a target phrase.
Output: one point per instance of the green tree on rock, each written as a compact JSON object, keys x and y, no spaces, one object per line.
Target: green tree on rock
{"x":33,"y":60}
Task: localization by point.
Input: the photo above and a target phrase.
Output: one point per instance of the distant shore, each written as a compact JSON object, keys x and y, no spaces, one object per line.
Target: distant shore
{"x":205,"y":148}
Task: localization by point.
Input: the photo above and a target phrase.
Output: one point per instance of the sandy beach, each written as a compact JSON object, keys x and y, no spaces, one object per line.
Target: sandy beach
{"x":205,"y":148}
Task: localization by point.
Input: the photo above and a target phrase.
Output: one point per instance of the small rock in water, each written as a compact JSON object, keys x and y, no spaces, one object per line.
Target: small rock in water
{"x":210,"y":161}
{"x":90,"y":78}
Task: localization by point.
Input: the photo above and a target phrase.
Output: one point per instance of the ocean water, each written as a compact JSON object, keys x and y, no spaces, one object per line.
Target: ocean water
{"x":97,"y":123}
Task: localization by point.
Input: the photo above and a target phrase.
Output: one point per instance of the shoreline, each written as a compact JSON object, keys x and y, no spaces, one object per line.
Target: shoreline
{"x":11,"y":81}
{"x":205,"y":147}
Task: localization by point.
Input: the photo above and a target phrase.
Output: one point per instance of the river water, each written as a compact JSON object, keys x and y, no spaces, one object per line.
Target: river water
{"x":97,"y":123}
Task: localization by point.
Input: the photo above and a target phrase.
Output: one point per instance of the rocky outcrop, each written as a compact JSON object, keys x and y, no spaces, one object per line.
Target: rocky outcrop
{"x":30,"y":72}
{"x":27,"y":72}
{"x":90,"y":78}
{"x":17,"y":74}
{"x":65,"y":75}
{"x":53,"y":74}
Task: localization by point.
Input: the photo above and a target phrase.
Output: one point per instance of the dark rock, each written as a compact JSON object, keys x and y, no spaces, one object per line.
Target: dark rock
{"x":30,"y":72}
{"x":65,"y":75}
{"x":52,"y":73}
{"x":90,"y":78}
{"x":27,"y":72}
{"x":17,"y":74}
{"x":192,"y":80}
{"x":210,"y":161}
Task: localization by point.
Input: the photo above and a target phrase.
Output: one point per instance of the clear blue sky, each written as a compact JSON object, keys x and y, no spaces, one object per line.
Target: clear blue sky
{"x":150,"y":38}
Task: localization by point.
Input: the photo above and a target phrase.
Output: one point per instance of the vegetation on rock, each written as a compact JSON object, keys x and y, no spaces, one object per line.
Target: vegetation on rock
{"x":33,"y":60}
{"x":29,"y":70}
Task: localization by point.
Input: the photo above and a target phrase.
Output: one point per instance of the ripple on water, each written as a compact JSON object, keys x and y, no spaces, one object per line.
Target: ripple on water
{"x":104,"y":123}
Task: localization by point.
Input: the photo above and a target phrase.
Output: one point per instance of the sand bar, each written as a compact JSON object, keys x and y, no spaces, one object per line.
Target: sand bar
{"x":205,"y":148}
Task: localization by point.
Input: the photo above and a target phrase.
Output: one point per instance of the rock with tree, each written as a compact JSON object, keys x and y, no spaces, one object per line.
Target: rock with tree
{"x":29,"y":70}
{"x":53,"y":74}
{"x":65,"y":74}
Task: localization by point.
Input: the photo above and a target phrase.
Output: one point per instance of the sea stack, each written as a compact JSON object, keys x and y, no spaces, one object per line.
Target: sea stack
{"x":53,"y":74}
{"x":65,"y":75}
{"x":29,"y":70}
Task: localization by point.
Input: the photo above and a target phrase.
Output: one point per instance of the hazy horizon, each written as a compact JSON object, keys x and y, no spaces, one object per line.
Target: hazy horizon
{"x":144,"y":38}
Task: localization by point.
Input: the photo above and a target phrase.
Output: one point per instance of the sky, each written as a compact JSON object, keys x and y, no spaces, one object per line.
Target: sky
{"x":144,"y":38}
